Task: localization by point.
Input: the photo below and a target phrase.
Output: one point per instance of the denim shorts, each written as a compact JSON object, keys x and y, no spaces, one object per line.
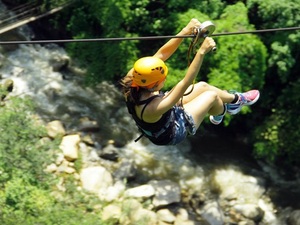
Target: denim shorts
{"x":184,"y":125}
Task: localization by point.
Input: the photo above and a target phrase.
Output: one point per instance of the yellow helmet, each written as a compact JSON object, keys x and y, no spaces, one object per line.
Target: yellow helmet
{"x":147,"y":71}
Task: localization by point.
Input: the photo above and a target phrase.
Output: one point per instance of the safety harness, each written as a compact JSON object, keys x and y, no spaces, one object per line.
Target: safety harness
{"x":161,"y":132}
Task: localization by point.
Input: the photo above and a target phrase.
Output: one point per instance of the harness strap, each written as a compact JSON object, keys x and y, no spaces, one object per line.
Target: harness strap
{"x":161,"y":131}
{"x":139,"y":137}
{"x":149,"y":133}
{"x":146,"y":102}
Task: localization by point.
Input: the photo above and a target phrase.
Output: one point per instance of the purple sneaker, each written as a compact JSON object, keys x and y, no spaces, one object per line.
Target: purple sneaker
{"x":246,"y":98}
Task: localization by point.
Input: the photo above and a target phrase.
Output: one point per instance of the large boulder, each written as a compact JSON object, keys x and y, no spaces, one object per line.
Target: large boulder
{"x":166,"y":192}
{"x":95,"y":179}
{"x":70,"y":146}
{"x":143,"y":192}
{"x":55,"y":129}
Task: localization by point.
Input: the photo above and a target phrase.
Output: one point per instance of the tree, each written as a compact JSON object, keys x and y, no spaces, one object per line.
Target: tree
{"x":91,"y":19}
{"x":117,"y":18}
{"x":240,"y":62}
{"x":276,"y":137}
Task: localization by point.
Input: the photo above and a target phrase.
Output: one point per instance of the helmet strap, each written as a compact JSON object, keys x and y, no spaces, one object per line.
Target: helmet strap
{"x":153,"y":88}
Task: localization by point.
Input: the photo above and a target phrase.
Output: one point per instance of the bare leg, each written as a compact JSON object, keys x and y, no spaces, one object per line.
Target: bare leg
{"x":207,"y":102}
{"x":201,"y":87}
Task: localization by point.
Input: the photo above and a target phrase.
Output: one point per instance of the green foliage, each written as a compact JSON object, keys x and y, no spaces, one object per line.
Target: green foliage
{"x":94,"y":19}
{"x":275,"y":13}
{"x":267,"y":143}
{"x":55,"y":214}
{"x":24,"y":203}
{"x":289,"y":104}
{"x":27,"y":192}
{"x":178,"y":63}
{"x":212,"y":8}
{"x":278,"y":14}
{"x":124,"y":19}
{"x":21,"y":195}
{"x":276,"y":136}
{"x":19,"y":147}
{"x":22,"y":159}
{"x":240,"y":61}
{"x":283,"y":60}
{"x":173,"y":78}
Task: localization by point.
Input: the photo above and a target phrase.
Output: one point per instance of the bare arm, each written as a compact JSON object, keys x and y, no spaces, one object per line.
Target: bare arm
{"x":178,"y":91}
{"x":171,"y":46}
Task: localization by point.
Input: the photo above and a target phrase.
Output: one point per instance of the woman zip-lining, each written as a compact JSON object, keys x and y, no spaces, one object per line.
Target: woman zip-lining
{"x":167,"y":118}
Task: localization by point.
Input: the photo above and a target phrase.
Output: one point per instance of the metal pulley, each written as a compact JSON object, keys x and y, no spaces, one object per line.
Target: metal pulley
{"x":205,"y":30}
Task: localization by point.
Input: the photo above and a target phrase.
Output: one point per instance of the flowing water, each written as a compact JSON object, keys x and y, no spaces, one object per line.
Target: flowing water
{"x":58,"y":96}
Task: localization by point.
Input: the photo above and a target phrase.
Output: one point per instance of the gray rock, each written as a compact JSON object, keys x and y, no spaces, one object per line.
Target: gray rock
{"x":143,"y":191}
{"x":212,"y":213}
{"x":294,"y":218}
{"x":109,"y":152}
{"x":166,"y":192}
{"x":94,"y":179}
{"x":165,"y":215}
{"x":126,"y":170}
{"x":55,"y":129}
{"x":250,"y":211}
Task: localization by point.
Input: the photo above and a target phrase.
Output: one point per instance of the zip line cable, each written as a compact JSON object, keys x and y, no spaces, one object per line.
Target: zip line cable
{"x":143,"y":38}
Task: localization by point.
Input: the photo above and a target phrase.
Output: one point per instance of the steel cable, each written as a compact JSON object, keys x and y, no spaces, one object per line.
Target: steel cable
{"x":144,"y":38}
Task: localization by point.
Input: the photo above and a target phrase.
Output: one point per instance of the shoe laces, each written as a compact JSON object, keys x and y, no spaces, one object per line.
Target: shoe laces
{"x":242,"y":99}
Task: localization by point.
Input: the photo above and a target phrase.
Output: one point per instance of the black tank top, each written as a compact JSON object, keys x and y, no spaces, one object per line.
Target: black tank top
{"x":160,"y":132}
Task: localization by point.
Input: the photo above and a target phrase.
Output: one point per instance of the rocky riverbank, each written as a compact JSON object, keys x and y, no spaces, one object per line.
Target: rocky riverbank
{"x":141,"y":183}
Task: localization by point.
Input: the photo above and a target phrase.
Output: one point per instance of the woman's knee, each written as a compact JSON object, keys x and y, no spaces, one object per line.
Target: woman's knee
{"x":211,"y":96}
{"x":202,"y":85}
{"x":201,"y":105}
